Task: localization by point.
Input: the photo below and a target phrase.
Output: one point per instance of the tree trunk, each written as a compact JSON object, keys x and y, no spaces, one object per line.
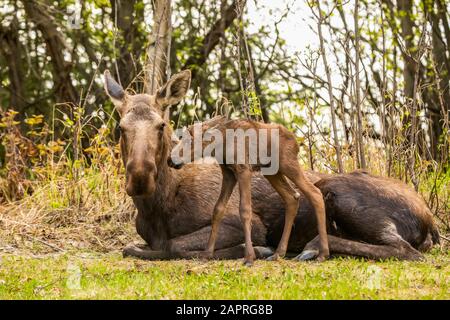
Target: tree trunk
{"x":441,"y":105}
{"x":443,"y":14}
{"x":54,"y":40}
{"x":212,"y":38}
{"x":223,"y":46}
{"x":330,"y":90}
{"x":405,"y":11}
{"x":123,"y":16}
{"x":158,"y":50}
{"x":11,"y":50}
{"x":362,"y":158}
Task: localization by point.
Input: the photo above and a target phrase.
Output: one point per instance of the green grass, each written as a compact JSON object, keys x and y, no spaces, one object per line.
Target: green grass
{"x":109,"y":276}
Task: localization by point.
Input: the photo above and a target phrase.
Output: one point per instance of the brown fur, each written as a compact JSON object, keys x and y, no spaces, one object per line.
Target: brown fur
{"x":241,"y":174}
{"x":366,"y":216}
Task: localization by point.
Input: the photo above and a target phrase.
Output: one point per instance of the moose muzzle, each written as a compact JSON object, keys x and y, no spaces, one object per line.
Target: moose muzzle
{"x":140,"y":178}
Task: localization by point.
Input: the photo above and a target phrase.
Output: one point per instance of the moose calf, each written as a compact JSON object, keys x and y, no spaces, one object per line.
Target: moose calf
{"x":239,"y":171}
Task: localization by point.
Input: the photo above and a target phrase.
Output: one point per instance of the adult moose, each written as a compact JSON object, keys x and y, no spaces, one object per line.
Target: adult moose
{"x":367,"y":216}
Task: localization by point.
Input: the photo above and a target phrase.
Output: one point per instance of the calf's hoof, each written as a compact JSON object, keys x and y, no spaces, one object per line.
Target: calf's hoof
{"x":322,"y":257}
{"x":248,"y":263}
{"x":206,"y":255}
{"x":249,"y":259}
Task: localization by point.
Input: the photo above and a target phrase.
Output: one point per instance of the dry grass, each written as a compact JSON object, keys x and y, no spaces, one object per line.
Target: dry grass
{"x":45,"y":222}
{"x":56,"y":197}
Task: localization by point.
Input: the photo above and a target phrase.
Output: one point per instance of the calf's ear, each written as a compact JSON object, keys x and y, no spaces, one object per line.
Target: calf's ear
{"x":115,"y":92}
{"x":174,"y":90}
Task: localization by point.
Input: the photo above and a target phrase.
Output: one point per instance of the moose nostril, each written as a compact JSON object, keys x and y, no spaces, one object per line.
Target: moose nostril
{"x":148,"y":166}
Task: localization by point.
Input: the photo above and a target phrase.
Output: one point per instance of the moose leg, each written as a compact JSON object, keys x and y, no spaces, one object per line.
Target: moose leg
{"x":245,"y":210}
{"x":280,"y":184}
{"x":144,"y":252}
{"x":193,"y":242}
{"x":228,"y":183}
{"x":189,"y":246}
{"x":398,"y":248}
{"x":236,"y":252}
{"x":314,"y":195}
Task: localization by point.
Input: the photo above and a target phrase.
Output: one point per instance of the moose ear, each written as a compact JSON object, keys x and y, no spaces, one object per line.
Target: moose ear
{"x":174,"y":90}
{"x":114,"y":91}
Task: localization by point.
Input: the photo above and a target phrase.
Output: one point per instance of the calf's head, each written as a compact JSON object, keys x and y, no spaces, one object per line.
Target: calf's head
{"x":145,"y":137}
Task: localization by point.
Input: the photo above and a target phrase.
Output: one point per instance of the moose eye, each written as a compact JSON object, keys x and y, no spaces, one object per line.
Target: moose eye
{"x":162,"y":126}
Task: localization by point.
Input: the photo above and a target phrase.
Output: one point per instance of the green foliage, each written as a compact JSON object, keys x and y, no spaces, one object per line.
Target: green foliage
{"x":39,"y":158}
{"x":254,"y":104}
